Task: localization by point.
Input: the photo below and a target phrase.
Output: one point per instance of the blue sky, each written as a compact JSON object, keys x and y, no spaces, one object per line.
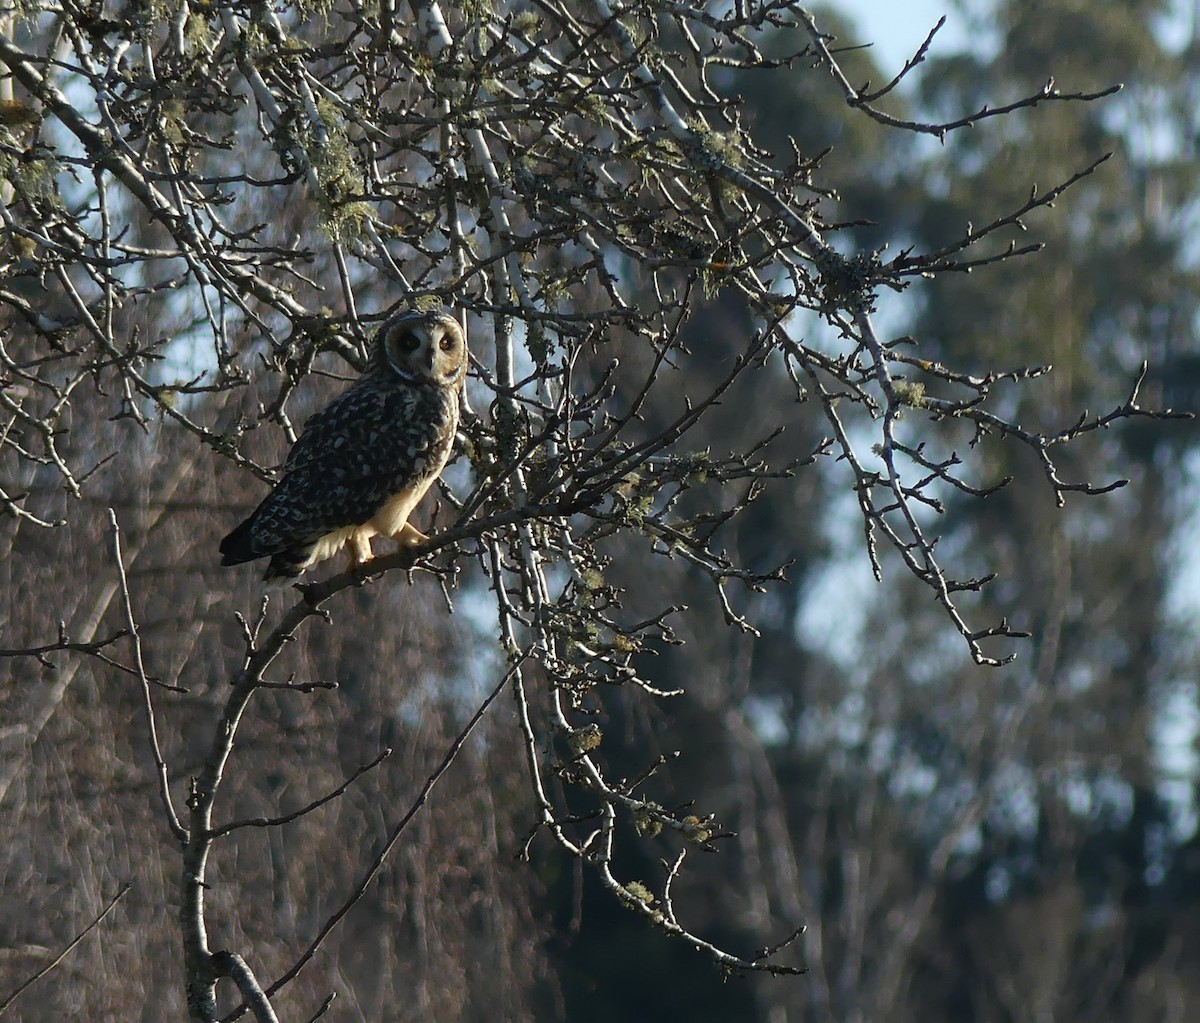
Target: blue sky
{"x":897,"y":28}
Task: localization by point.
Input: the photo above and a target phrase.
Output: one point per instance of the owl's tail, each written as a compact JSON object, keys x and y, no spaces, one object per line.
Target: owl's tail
{"x":288,"y":566}
{"x":238,"y":546}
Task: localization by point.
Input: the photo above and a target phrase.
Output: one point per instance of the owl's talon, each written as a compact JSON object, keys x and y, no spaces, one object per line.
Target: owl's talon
{"x":410,"y":536}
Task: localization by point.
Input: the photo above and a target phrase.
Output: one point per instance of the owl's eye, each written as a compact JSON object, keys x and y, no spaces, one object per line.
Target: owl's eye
{"x":408,"y":342}
{"x":446,"y":343}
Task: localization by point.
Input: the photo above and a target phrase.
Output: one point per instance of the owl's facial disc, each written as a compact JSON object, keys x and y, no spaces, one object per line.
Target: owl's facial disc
{"x":425,"y":348}
{"x":444,"y":357}
{"x":402,"y":347}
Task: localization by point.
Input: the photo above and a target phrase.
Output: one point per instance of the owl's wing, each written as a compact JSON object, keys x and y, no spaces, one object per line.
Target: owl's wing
{"x":352,"y":455}
{"x":340,"y":423}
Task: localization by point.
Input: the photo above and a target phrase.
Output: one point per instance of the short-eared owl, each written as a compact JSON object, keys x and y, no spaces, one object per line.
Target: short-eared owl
{"x":363,"y":462}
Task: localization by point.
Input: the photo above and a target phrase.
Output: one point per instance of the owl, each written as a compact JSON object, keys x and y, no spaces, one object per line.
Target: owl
{"x":363,"y":462}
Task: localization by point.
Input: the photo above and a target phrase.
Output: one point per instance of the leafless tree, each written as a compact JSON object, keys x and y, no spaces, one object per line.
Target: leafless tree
{"x":206,"y":209}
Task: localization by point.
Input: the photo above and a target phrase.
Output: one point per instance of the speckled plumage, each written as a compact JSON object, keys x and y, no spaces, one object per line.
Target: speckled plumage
{"x":363,"y":462}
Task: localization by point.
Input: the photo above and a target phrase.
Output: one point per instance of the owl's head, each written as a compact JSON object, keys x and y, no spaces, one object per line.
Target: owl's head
{"x":423,"y":347}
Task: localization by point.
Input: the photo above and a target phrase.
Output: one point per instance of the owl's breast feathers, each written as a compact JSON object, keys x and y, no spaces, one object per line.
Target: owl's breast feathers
{"x":365,"y":447}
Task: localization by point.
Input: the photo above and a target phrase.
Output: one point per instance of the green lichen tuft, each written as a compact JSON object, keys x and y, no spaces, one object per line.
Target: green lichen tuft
{"x":335,"y":161}
{"x":697,"y":830}
{"x":585,"y":740}
{"x":646,"y":822}
{"x":847,"y":283}
{"x":638,"y":892}
{"x":427,"y":304}
{"x":35,"y":179}
{"x":910,"y":393}
{"x":526,"y":23}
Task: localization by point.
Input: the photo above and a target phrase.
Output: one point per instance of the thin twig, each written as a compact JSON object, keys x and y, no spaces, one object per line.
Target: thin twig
{"x":68,"y":950}
{"x":164,"y":783}
{"x":274,"y":822}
